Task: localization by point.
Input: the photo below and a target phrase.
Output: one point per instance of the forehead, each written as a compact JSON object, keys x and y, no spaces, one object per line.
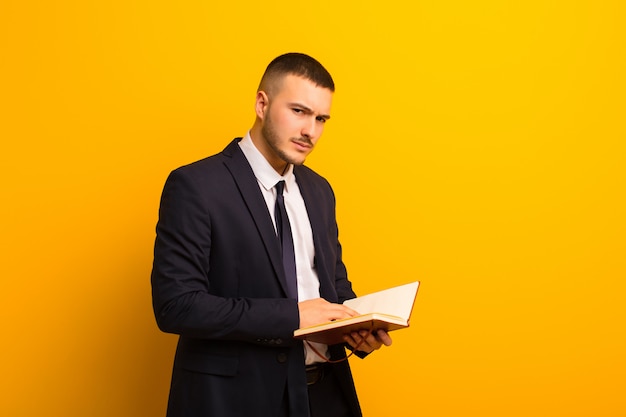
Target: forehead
{"x":299,"y":90}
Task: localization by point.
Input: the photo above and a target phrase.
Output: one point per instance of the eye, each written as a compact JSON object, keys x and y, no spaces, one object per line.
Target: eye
{"x":297,"y":110}
{"x":321,"y":119}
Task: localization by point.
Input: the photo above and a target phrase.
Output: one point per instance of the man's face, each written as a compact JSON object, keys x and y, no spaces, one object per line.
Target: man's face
{"x":293,"y":119}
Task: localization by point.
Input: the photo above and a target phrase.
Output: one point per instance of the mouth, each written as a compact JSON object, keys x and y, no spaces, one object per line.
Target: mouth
{"x":303,"y":144}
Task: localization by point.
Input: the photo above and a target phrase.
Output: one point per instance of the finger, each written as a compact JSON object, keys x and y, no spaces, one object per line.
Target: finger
{"x":384,"y":337}
{"x":349,"y":339}
{"x":350,"y":311}
{"x":370,"y":340}
{"x":340,"y":312}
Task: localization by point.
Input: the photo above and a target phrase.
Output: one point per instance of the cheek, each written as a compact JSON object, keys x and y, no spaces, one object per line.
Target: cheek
{"x":287,"y":123}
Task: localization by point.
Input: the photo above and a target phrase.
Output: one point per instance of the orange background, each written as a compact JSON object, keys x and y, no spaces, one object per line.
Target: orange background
{"x":476,"y":146}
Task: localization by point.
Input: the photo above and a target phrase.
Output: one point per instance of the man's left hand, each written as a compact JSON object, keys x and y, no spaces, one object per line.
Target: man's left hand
{"x":368,"y":342}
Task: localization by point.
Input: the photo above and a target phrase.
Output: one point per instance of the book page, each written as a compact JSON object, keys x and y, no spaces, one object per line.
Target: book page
{"x":396,"y":301}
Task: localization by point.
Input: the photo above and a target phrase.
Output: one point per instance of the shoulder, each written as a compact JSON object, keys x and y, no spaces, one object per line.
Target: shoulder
{"x":199,"y":167}
{"x":307,"y":175}
{"x":312,"y":185}
{"x":211,"y":165}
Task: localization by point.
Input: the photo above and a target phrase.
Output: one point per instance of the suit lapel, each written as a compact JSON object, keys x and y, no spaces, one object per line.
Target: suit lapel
{"x":312,"y":195}
{"x":248,"y":186}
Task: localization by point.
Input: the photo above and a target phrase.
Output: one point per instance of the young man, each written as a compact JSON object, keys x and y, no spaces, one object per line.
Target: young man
{"x":235,"y":273}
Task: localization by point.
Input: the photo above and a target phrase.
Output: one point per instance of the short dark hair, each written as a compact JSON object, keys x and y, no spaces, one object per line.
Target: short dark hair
{"x":302,"y":65}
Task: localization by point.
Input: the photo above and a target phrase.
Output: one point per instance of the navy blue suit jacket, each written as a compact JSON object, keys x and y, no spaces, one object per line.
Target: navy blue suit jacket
{"x":218,"y":282}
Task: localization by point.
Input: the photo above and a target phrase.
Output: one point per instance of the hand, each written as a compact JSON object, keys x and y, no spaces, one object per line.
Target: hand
{"x":368,"y":342}
{"x":318,"y":311}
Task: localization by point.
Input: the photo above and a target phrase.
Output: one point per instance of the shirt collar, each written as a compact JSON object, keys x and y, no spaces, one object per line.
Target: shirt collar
{"x":263,"y":171}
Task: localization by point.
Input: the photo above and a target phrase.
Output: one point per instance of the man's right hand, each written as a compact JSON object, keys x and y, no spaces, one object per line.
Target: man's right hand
{"x":318,"y":311}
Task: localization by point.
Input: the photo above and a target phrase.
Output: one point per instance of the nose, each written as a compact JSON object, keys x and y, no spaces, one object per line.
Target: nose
{"x":310,"y":128}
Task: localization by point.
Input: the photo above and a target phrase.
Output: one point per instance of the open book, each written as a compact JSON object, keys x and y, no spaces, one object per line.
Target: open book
{"x":388,"y":309}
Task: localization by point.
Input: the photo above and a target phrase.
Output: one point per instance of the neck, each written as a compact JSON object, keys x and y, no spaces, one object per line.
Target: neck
{"x":284,"y":171}
{"x":260,"y":143}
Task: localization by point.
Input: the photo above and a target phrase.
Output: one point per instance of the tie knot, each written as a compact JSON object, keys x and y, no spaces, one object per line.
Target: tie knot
{"x":280,"y":186}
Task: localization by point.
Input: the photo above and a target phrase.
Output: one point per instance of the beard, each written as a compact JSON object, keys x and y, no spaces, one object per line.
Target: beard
{"x":273,"y":140}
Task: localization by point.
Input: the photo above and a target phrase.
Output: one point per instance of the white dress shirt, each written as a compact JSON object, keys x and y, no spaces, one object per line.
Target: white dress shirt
{"x":267,"y":177}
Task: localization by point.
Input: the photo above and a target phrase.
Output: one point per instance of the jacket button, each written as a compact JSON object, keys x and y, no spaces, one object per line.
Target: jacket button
{"x":281,"y":357}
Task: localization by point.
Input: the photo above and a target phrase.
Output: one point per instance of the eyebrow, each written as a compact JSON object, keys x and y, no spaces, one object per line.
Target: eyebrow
{"x":309,"y":110}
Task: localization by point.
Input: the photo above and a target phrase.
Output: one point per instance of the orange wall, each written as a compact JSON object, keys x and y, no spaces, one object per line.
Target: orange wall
{"x":476,"y":146}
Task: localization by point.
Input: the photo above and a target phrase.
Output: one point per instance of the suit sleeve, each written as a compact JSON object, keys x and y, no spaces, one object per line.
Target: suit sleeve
{"x":181,"y":291}
{"x":343,"y":286}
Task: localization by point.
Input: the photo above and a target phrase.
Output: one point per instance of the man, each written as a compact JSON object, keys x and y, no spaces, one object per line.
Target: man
{"x":221,"y":280}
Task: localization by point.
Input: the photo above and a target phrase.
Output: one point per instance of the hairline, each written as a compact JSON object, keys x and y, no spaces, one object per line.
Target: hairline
{"x":272,"y":83}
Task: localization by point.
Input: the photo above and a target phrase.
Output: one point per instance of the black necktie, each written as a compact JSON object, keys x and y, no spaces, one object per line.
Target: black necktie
{"x":286,"y":241}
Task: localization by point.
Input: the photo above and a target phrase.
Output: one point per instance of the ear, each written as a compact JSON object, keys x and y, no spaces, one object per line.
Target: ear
{"x":261,"y":104}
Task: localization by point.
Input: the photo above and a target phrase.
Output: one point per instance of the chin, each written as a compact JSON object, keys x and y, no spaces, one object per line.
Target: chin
{"x":298,"y":161}
{"x":294,"y":158}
